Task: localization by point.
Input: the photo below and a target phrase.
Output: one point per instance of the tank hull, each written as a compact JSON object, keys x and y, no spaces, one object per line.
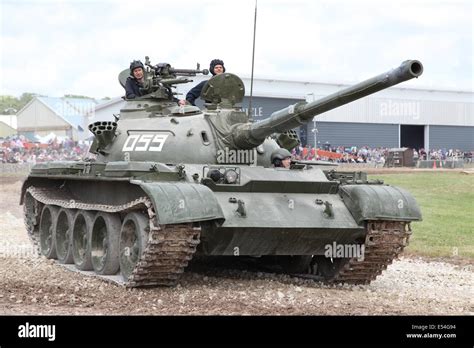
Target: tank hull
{"x":269,"y":213}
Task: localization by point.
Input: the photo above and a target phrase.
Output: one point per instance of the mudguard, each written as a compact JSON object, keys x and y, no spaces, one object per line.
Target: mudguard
{"x":380,"y":202}
{"x":182,"y":202}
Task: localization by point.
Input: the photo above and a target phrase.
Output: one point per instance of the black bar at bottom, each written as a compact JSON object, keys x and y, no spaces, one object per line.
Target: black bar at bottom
{"x":80,"y":330}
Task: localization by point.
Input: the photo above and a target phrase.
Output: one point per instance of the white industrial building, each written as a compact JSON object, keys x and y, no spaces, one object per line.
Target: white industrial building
{"x":7,"y":125}
{"x":63,"y":117}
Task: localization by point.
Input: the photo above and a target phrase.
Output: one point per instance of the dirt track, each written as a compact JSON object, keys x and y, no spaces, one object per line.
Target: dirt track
{"x":34,"y":285}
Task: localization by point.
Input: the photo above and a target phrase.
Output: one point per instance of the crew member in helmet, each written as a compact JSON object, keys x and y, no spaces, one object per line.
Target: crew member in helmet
{"x":216,"y":68}
{"x":135,"y":80}
{"x":281,"y":158}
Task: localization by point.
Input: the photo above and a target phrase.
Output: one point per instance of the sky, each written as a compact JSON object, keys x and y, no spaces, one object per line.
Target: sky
{"x":54,"y":47}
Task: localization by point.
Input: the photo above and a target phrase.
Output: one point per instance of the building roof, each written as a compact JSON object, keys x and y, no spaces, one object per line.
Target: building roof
{"x":6,"y":130}
{"x":108,"y":103}
{"x":71,"y":110}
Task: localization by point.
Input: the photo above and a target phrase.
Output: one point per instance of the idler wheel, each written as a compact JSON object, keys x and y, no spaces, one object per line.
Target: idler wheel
{"x":133,"y":239}
{"x":30,"y":207}
{"x":105,"y":243}
{"x":81,"y":237}
{"x":63,"y":231}
{"x":46,"y":231}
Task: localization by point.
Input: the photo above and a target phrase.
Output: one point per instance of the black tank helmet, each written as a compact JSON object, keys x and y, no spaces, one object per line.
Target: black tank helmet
{"x":213,"y":64}
{"x":136,"y":64}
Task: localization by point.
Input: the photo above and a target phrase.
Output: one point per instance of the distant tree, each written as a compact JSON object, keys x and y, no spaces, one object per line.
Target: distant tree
{"x":8,"y":104}
{"x":106,"y":98}
{"x":11,"y":105}
{"x":26,"y":97}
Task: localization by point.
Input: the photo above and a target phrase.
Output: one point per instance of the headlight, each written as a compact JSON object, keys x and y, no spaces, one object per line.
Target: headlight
{"x":230,"y":176}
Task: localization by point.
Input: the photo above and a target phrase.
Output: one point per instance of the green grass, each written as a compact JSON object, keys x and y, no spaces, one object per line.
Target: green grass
{"x":447,"y":204}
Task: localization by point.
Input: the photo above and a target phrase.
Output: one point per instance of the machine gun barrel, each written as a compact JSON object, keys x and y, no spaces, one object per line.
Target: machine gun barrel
{"x":251,"y":135}
{"x":188,"y":72}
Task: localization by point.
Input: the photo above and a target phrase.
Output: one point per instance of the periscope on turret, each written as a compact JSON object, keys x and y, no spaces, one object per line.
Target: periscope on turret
{"x":170,"y":182}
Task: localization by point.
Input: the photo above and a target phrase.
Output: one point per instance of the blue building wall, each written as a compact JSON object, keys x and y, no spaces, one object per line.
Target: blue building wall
{"x":452,"y":137}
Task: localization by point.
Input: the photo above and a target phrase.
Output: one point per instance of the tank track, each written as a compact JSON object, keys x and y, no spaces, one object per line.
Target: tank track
{"x":169,"y":247}
{"x":384,"y":242}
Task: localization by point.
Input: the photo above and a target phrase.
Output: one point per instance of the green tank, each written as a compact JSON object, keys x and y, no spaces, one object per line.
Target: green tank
{"x":170,"y":182}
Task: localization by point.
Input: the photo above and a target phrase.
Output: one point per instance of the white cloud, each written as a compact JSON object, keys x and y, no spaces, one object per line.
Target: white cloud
{"x":57,"y":47}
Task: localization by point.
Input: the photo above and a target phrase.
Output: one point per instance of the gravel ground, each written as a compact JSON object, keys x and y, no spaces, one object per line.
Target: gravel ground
{"x":35,"y":285}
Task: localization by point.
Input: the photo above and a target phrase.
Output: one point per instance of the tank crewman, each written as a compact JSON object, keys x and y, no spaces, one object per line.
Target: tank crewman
{"x":135,"y":80}
{"x":216,"y":67}
{"x":281,"y":158}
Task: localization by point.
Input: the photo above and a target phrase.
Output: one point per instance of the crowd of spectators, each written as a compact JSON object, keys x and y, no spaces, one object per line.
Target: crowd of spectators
{"x":376,"y":155}
{"x":20,"y":150}
{"x":444,"y":154}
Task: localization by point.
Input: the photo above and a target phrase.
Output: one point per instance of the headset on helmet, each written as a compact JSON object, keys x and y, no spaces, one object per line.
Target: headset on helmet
{"x":213,"y":64}
{"x":136,"y":64}
{"x":279,"y":155}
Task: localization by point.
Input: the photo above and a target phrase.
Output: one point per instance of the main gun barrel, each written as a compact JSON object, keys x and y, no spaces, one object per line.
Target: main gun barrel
{"x":251,"y":135}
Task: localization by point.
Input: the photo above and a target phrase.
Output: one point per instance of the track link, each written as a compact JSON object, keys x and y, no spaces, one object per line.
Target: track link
{"x":169,"y":247}
{"x":384,"y":242}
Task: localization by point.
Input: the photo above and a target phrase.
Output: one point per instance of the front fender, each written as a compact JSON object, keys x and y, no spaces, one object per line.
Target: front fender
{"x":379,"y":202}
{"x":181,"y":202}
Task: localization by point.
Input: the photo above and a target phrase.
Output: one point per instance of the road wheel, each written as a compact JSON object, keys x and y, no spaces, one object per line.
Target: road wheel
{"x":63,"y":233}
{"x":81,"y":237}
{"x":133,"y":239}
{"x":105,"y":243}
{"x":46,"y":231}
